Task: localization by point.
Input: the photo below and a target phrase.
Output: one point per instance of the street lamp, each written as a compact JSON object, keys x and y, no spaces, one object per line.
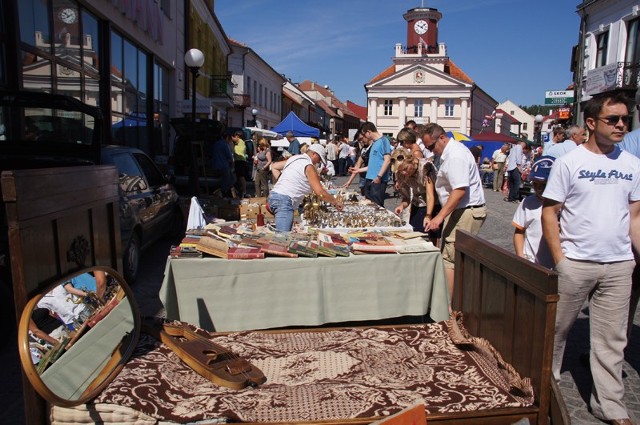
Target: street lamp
{"x":194,"y":59}
{"x":539,"y":118}
{"x":254,"y":112}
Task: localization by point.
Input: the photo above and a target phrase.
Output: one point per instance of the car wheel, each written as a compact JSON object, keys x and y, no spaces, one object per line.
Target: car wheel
{"x":131,"y":259}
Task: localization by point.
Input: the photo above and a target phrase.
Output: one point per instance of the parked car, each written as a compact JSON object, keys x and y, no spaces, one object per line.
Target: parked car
{"x":149,"y":208}
{"x":43,"y":130}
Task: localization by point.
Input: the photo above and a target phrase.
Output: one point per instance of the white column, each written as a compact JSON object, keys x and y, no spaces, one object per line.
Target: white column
{"x":464,"y":116}
{"x":434,"y":110}
{"x":373,"y":110}
{"x":403,"y":112}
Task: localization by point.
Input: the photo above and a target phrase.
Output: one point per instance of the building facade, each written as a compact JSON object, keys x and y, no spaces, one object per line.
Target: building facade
{"x":423,"y":84}
{"x":523,"y":123}
{"x":257,"y":87}
{"x":126,"y":57}
{"x":608,"y":54}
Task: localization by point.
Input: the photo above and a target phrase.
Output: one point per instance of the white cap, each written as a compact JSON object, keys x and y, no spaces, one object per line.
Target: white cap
{"x":319,"y":149}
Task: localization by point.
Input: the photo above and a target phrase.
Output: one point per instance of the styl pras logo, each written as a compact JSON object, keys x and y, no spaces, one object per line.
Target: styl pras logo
{"x":602,"y":177}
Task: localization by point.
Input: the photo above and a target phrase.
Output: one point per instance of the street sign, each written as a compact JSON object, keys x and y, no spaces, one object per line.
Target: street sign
{"x":558,"y":97}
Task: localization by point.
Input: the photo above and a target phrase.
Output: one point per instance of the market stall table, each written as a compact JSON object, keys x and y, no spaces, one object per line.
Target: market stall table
{"x":233,"y":295}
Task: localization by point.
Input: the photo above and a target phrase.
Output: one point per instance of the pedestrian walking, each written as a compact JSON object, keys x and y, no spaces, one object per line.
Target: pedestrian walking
{"x":595,"y":189}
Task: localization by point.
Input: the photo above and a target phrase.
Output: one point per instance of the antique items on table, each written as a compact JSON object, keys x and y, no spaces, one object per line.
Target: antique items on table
{"x":355,"y":214}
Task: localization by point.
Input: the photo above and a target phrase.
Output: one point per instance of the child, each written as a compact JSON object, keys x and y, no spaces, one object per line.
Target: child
{"x":528,"y":241}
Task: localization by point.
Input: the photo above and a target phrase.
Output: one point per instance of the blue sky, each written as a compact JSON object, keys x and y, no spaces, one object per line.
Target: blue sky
{"x":512,"y":49}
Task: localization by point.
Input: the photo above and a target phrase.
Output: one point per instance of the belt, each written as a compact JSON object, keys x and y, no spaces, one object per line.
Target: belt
{"x":468,"y":207}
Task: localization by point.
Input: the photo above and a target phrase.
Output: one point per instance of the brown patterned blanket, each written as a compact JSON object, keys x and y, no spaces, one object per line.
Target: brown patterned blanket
{"x":331,"y":374}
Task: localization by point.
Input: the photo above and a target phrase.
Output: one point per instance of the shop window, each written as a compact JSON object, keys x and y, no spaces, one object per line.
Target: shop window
{"x":448,"y":107}
{"x":388,"y":107}
{"x":602,"y":45}
{"x":68,"y":81}
{"x":130,"y":66}
{"x":129,"y":94}
{"x":34,"y":24}
{"x":66,"y":31}
{"x":91,"y":90}
{"x":91,"y":47}
{"x":36,"y":72}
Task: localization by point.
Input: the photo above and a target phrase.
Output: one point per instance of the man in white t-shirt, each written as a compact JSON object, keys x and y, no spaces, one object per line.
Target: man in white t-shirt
{"x":594,"y":190}
{"x":459,"y":190}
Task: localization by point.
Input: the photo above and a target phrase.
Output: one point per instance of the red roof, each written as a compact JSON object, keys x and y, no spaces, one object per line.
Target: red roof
{"x":360,"y":111}
{"x":450,"y":68}
{"x":508,"y":115}
{"x":384,"y":74}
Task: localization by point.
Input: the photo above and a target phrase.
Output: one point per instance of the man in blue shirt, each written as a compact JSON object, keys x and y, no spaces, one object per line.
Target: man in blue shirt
{"x":294,"y":144}
{"x":379,"y":161}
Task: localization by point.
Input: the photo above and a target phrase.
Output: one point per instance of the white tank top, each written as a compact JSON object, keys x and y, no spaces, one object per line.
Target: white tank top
{"x":293,"y":181}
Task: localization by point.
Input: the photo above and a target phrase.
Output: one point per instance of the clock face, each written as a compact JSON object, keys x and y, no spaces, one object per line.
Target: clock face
{"x":68,"y":15}
{"x":420,"y":26}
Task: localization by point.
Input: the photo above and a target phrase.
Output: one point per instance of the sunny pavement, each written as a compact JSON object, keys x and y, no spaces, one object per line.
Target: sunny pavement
{"x":576,"y":379}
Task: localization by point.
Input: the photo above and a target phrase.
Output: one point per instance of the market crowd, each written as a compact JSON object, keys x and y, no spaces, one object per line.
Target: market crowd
{"x":581,"y":217}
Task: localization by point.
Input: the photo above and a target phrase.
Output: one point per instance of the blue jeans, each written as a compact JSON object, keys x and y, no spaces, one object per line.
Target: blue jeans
{"x":375,"y":191}
{"x":514,"y":184}
{"x":282,"y":208}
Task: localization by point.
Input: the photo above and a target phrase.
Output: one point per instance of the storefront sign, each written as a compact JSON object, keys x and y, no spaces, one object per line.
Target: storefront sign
{"x":146,"y":14}
{"x":558,"y":97}
{"x":564,"y":113}
{"x":601,"y":79}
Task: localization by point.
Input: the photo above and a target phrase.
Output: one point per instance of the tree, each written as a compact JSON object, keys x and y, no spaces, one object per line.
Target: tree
{"x":536,"y":109}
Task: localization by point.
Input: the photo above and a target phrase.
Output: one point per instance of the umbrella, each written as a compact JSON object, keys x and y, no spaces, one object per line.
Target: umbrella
{"x":460,"y":137}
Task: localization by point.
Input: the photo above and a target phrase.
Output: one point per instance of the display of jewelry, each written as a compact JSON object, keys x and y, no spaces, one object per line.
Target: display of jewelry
{"x":357,"y":214}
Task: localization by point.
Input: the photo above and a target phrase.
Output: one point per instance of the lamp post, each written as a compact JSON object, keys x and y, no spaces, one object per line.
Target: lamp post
{"x":539,"y":118}
{"x":194,"y":59}
{"x":254,"y":112}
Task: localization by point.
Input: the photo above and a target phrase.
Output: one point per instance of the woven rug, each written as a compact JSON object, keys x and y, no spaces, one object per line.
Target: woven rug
{"x":327,"y":375}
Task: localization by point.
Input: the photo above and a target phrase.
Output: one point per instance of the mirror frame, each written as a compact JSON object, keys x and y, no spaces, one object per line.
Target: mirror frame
{"x":112,"y":367}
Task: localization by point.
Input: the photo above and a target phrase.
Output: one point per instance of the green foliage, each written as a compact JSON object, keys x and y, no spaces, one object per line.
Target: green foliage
{"x":536,"y":109}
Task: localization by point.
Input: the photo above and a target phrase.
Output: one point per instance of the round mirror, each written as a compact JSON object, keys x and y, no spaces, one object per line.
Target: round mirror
{"x":76,"y":336}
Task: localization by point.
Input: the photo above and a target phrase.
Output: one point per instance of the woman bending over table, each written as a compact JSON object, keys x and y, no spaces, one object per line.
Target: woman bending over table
{"x":298,"y":177}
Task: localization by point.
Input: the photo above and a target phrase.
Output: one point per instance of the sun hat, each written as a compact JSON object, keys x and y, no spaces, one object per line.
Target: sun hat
{"x":319,"y":149}
{"x":541,"y":168}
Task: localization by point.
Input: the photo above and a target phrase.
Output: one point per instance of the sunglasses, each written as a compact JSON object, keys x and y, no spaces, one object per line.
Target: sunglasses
{"x":613,"y":120}
{"x":398,"y":158}
{"x":432,"y":145}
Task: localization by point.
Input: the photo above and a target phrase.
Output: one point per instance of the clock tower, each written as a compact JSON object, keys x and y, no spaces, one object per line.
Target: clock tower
{"x":422,"y":27}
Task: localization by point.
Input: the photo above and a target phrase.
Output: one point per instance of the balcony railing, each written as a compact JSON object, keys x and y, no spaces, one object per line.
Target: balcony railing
{"x":221,"y":86}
